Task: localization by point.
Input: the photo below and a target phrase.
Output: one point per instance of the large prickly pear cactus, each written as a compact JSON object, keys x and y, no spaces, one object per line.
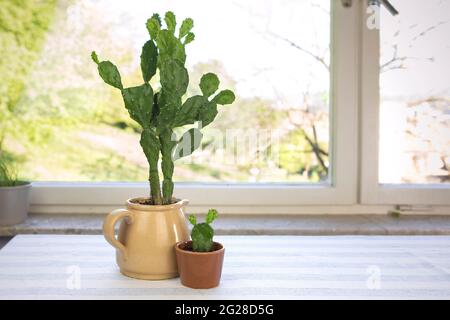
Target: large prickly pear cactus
{"x":202,"y":233}
{"x":158,"y":113}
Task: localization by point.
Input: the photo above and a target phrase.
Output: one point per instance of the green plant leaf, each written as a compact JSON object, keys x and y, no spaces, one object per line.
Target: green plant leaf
{"x":170,"y":47}
{"x":192,"y":219}
{"x":139,"y":103}
{"x":157,"y":19}
{"x":224,"y":97}
{"x":186,"y":27}
{"x":150,"y":144}
{"x":169,"y":103}
{"x":154,"y":26}
{"x":149,"y":58}
{"x":209,"y":83}
{"x":174,"y":81}
{"x":94,"y":57}
{"x":174,"y":77}
{"x":188,"y":143}
{"x":189,"y":38}
{"x":8,"y":174}
{"x":202,"y":237}
{"x":208,"y":113}
{"x":189,"y":111}
{"x":110,"y":74}
{"x":171,"y":21}
{"x":211,"y":216}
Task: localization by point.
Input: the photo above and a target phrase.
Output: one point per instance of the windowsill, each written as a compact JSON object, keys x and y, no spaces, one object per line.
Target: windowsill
{"x":256,"y":225}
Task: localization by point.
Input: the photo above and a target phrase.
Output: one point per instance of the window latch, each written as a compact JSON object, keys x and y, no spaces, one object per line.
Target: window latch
{"x":389,"y":7}
{"x":410,"y":209}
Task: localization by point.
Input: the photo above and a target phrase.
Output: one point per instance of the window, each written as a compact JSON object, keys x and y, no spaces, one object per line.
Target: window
{"x":412,"y":115}
{"x":274,"y":54}
{"x":313,"y":126}
{"x":281,"y":59}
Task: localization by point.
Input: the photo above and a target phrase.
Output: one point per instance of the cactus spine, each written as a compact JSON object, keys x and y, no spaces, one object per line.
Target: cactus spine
{"x":158,"y":113}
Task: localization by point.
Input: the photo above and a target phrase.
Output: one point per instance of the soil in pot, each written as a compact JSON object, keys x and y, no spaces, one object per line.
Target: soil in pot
{"x":199,"y":270}
{"x":149,"y":201}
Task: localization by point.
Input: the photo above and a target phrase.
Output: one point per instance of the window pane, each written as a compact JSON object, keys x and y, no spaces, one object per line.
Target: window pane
{"x":415,"y":93}
{"x":65,"y":124}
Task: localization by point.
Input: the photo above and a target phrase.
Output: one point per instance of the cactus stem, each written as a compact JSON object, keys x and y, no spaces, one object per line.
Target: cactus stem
{"x":155,"y":189}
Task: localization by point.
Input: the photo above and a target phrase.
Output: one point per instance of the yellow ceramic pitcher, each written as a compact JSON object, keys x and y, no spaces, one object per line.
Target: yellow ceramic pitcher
{"x":147,"y":235}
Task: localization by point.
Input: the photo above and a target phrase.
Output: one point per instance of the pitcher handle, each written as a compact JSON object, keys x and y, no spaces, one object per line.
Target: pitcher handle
{"x":109,"y":228}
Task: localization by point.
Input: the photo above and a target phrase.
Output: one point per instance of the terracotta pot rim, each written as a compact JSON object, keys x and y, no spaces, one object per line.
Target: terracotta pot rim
{"x":209,"y":253}
{"x":22,"y":185}
{"x":146,"y":207}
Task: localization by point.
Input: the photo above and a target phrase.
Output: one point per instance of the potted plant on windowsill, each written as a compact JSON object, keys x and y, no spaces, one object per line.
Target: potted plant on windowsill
{"x":200,"y":260}
{"x":14,"y":195}
{"x":152,"y":225}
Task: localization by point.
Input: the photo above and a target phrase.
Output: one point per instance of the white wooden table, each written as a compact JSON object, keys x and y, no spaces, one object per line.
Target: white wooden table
{"x":256,"y":267}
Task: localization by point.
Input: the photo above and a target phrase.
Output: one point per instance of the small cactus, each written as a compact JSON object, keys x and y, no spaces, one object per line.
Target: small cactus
{"x":202,"y":233}
{"x":159,"y":113}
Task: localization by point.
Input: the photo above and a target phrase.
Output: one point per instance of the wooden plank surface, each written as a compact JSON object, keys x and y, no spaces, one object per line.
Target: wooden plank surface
{"x":255,"y":267}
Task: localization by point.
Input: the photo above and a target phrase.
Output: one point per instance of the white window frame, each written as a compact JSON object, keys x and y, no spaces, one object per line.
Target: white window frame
{"x":371,"y":191}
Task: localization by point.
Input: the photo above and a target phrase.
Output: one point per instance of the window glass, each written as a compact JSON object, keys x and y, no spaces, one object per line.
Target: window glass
{"x":415,"y":93}
{"x":60,"y":122}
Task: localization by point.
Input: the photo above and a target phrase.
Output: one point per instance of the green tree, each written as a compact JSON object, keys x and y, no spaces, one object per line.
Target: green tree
{"x":23,"y":25}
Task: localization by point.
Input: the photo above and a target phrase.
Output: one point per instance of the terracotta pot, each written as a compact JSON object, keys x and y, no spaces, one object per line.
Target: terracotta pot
{"x":147,"y":234}
{"x":199,"y":270}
